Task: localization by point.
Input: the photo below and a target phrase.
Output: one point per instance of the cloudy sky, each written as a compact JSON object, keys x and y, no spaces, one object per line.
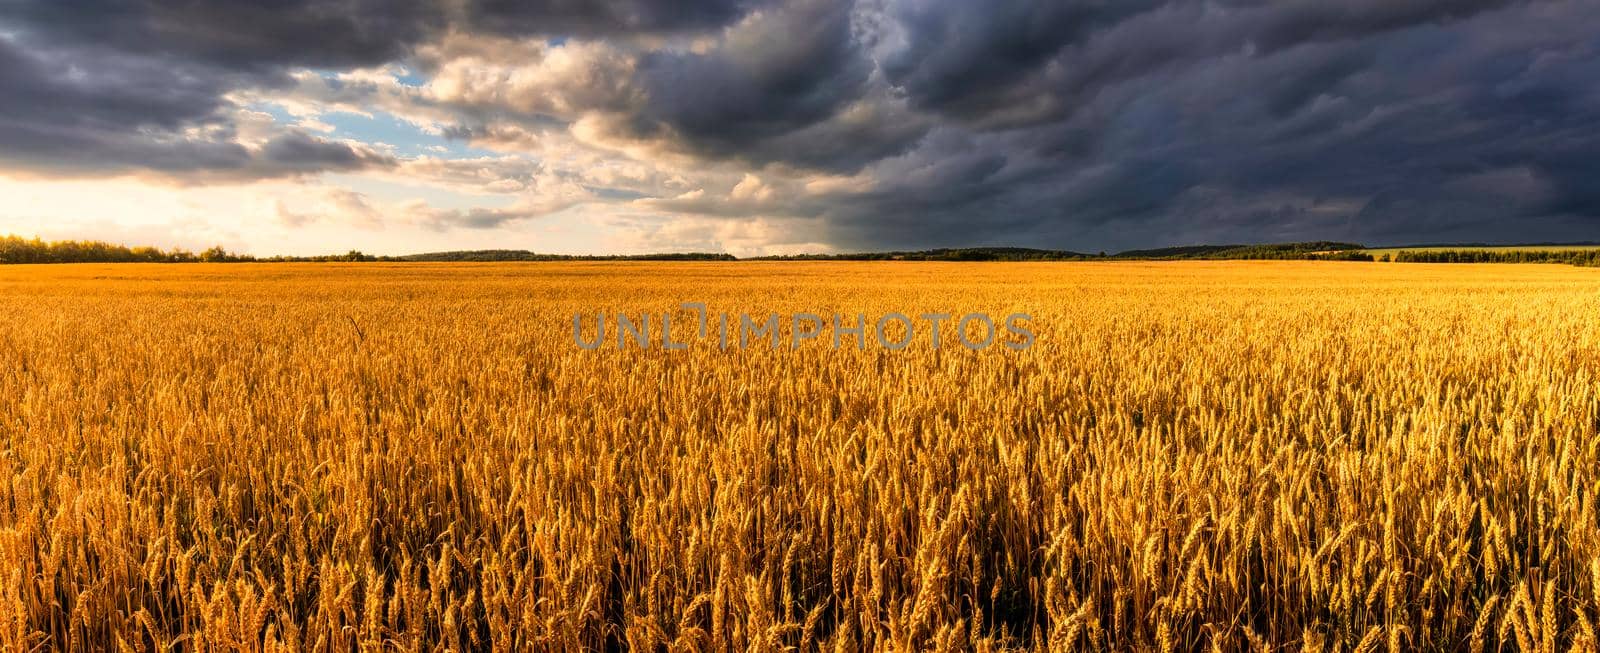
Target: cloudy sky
{"x":750,"y":126}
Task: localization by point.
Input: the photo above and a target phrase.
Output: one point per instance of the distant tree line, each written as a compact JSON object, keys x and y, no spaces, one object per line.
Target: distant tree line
{"x":1314,"y":250}
{"x":1588,"y":258}
{"x":497,"y":255}
{"x":14,"y":249}
{"x":945,"y":254}
{"x":1344,"y":256}
{"x":1320,"y":250}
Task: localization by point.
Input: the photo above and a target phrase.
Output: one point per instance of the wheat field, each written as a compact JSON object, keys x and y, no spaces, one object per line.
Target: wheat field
{"x":1231,"y":456}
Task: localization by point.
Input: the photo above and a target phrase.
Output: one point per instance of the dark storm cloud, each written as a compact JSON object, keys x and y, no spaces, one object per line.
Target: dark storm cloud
{"x":958,"y":56}
{"x":978,"y":60}
{"x":771,"y":90}
{"x":62,"y":113}
{"x":789,"y":83}
{"x":1392,"y":122}
{"x":590,"y":18}
{"x":95,"y":87}
{"x":1075,"y":124}
{"x":239,"y":35}
{"x":340,"y":33}
{"x":50,"y":88}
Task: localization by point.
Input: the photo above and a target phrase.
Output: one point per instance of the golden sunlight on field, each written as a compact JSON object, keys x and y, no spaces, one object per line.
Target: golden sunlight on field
{"x":1317,"y":455}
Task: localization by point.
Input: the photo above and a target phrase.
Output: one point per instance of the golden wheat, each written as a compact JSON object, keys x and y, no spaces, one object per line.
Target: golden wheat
{"x":1296,"y":455}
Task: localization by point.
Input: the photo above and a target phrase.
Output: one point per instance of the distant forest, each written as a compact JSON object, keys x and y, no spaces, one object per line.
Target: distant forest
{"x":1587,"y":258}
{"x":494,"y":255}
{"x":1282,"y":251}
{"x":1316,"y":250}
{"x":14,"y":249}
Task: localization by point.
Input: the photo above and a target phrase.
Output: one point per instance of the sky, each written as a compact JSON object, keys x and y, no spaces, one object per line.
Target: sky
{"x":766,"y":127}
